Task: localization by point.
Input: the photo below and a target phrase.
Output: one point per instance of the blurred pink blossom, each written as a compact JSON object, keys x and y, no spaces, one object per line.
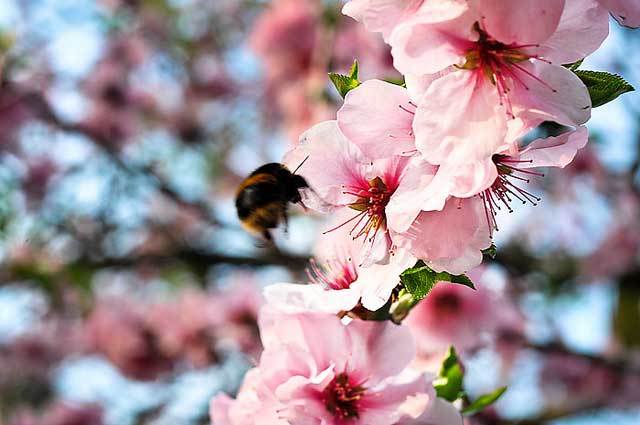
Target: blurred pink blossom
{"x":317,"y":370}
{"x":119,"y":330}
{"x":453,"y":314}
{"x":61,"y":413}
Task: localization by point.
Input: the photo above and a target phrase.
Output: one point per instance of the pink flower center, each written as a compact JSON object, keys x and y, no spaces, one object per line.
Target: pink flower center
{"x":371,"y":200}
{"x":502,"y":64}
{"x":333,"y":274}
{"x":447,"y":304}
{"x":342,"y":398}
{"x":506,"y":187}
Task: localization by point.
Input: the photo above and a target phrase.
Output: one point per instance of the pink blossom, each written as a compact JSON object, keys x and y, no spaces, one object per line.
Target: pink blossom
{"x":454,"y":314}
{"x":284,"y":38}
{"x":316,"y":370}
{"x":504,"y":73}
{"x":185,"y":327}
{"x":121,"y":332}
{"x":626,"y":12}
{"x":501,"y":179}
{"x":338,"y":280}
{"x":62,"y":413}
{"x":452,"y":239}
{"x":345,"y":179}
{"x":236,"y":316}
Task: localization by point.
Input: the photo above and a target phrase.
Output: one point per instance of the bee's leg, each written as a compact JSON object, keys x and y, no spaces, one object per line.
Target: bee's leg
{"x":266,"y":234}
{"x":285,"y":220}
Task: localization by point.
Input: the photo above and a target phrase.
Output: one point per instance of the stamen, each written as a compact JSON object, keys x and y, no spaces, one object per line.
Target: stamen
{"x":504,"y":190}
{"x":406,"y":110}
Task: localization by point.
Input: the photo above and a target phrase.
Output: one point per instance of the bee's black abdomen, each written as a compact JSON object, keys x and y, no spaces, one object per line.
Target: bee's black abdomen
{"x":255,"y":196}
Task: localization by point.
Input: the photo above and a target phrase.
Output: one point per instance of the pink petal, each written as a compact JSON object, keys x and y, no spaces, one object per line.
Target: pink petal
{"x":452,"y":239}
{"x":356,"y":9}
{"x":379,"y":350}
{"x":295,"y":298}
{"x":323,"y":336}
{"x":387,"y":405}
{"x":521,"y":22}
{"x":470,"y":179}
{"x":377,"y":118}
{"x":219,"y":410}
{"x":383,"y":15}
{"x":331,"y":162}
{"x":439,"y":412}
{"x":583,"y":27}
{"x":626,"y":12}
{"x":418,"y":84}
{"x":376,"y":282}
{"x":556,"y":151}
{"x":560,"y":97}
{"x":424,"y":48}
{"x":460,"y":120}
{"x":420,"y":189}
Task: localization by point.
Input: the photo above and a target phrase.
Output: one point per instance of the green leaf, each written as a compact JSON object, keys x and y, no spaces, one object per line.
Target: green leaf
{"x":448,"y":384}
{"x":603,"y":87}
{"x":491,"y":251}
{"x":461,"y":279}
{"x":483,"y":401}
{"x":421,"y":279}
{"x":397,"y":81}
{"x":575,"y":65}
{"x":345,"y":83}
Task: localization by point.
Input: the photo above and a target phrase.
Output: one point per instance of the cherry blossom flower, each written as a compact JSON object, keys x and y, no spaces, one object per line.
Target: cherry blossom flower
{"x":284,"y":38}
{"x":317,"y":370}
{"x":237,"y":316}
{"x":626,"y":12}
{"x":338,"y":281}
{"x":344,"y":179}
{"x":62,"y":413}
{"x":501,"y":179}
{"x":501,"y":73}
{"x":185,"y":327}
{"x":454,"y":314}
{"x":122,"y":333}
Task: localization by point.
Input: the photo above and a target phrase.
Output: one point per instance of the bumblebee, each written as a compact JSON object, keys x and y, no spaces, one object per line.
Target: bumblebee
{"x":263,"y":197}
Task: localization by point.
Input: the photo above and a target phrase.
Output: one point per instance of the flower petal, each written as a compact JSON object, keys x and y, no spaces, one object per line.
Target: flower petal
{"x":377,"y":117}
{"x":557,"y":94}
{"x":330,"y":161}
{"x":420,"y":48}
{"x":556,"y":151}
{"x":379,"y":350}
{"x":470,"y":179}
{"x":295,"y":298}
{"x":460,"y":120}
{"x":376,"y":282}
{"x":420,"y":189}
{"x":520,"y":22}
{"x":626,"y":12}
{"x":452,"y":239}
{"x":583,"y":27}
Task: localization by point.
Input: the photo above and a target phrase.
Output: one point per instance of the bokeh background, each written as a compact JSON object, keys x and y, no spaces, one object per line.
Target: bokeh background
{"x":128,"y":290}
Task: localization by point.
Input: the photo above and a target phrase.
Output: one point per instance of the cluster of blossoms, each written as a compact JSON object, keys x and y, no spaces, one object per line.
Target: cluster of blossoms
{"x":147,"y":341}
{"x":415,"y":175}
